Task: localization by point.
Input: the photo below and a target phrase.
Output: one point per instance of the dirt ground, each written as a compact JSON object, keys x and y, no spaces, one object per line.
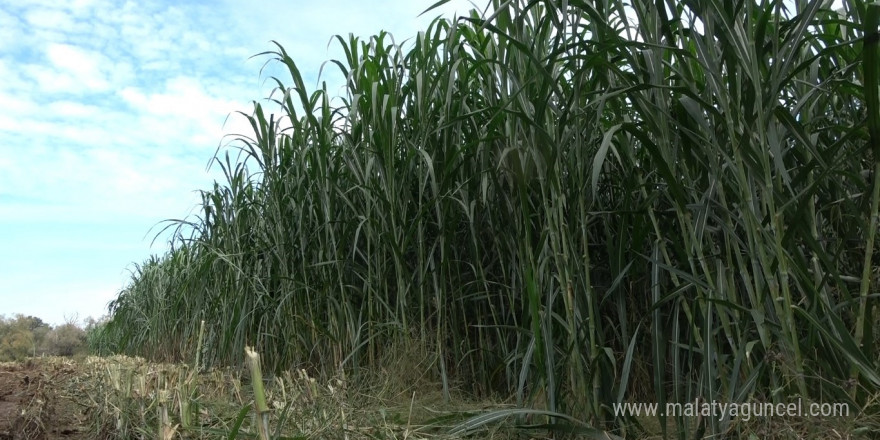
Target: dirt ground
{"x":35,"y":404}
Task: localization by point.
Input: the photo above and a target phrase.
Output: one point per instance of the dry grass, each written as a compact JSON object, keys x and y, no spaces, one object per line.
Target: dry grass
{"x":125,"y":396}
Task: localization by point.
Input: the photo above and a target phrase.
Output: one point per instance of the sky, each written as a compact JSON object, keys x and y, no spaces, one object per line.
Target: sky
{"x":110,"y":112}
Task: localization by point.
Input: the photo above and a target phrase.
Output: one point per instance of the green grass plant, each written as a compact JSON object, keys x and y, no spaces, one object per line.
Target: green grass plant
{"x":575,"y":204}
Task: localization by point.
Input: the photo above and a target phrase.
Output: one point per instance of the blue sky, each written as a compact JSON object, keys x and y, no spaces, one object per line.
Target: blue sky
{"x":110,"y":112}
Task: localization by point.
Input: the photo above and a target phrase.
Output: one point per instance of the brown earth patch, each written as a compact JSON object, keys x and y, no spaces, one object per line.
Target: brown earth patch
{"x":35,"y":404}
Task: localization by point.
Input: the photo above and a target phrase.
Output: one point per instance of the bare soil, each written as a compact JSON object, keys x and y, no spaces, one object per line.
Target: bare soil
{"x":35,"y":403}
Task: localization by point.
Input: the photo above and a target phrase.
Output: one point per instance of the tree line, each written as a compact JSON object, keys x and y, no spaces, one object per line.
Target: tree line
{"x":22,"y":336}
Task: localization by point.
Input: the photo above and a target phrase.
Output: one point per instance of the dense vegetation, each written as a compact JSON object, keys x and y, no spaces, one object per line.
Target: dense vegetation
{"x":574,"y":203}
{"x":23,"y":336}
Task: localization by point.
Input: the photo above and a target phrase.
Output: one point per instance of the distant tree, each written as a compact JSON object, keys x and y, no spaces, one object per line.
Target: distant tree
{"x":30,"y":322}
{"x":65,"y":340}
{"x":20,"y":336}
{"x":16,"y":344}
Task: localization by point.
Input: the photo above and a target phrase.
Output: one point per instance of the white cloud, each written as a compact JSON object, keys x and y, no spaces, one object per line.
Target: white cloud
{"x":49,"y":18}
{"x":77,"y":70}
{"x":16,"y":105}
{"x":10,"y":28}
{"x":73,"y":109}
{"x":181,"y":97}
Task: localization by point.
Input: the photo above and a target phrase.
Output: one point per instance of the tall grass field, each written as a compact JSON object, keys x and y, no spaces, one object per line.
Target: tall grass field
{"x":569,"y":204}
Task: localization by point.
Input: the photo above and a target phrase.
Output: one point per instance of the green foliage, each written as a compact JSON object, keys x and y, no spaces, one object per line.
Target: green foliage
{"x":559,"y":202}
{"x":21,"y":336}
{"x":16,"y":344}
{"x":65,"y":340}
{"x":96,"y":342}
{"x":24,"y":336}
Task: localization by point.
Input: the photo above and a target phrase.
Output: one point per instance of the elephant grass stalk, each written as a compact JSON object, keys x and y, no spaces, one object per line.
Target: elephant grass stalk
{"x":578,"y":204}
